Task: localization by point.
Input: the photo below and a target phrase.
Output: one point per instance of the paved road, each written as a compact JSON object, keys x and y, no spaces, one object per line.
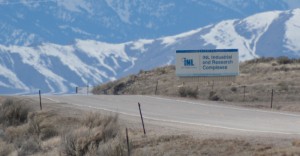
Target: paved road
{"x":188,"y":112}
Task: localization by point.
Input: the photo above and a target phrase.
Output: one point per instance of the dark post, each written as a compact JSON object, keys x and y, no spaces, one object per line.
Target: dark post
{"x":142,"y":118}
{"x":40,"y":100}
{"x":87,"y":89}
{"x":127,"y":142}
{"x":272,"y":94}
{"x":244,"y":93}
{"x":156,"y":87}
{"x":76,"y":90}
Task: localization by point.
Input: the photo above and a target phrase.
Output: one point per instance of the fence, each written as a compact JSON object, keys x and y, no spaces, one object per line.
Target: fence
{"x":84,"y":90}
{"x":259,"y":95}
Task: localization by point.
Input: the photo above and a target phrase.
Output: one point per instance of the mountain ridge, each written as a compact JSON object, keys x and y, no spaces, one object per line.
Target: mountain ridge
{"x":63,"y":21}
{"x":59,"y":68}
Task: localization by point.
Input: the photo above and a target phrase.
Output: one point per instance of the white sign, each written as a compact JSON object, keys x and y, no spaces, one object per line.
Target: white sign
{"x":204,"y":63}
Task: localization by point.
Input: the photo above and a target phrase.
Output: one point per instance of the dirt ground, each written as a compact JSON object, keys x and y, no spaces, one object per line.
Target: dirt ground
{"x":174,"y":139}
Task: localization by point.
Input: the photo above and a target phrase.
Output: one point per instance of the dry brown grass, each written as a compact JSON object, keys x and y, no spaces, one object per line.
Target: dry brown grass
{"x":47,"y":133}
{"x":98,"y":134}
{"x":177,"y":145}
{"x":42,"y":125}
{"x":6,"y":149}
{"x":13,"y":112}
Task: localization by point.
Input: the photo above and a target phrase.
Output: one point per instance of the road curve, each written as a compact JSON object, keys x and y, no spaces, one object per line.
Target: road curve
{"x":187,"y":112}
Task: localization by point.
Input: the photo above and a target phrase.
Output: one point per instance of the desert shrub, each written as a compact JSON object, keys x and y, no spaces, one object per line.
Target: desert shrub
{"x":119,"y":87}
{"x":260,"y":60}
{"x":73,"y":140}
{"x":15,"y":133}
{"x":13,"y":112}
{"x":29,"y":146}
{"x":284,"y":60}
{"x":213,"y":96}
{"x":193,"y":92}
{"x":142,"y":72}
{"x":5,"y":149}
{"x":233,"y":89}
{"x":274,"y":64}
{"x":265,"y":59}
{"x":172,"y":67}
{"x":93,"y":120}
{"x":115,"y":147}
{"x":97,"y":131}
{"x":104,"y":88}
{"x":161,"y":70}
{"x":25,"y":143}
{"x":85,"y":141}
{"x":182,"y":92}
{"x":188,"y":92}
{"x":41,"y":126}
{"x":48,"y":132}
{"x":283,"y":86}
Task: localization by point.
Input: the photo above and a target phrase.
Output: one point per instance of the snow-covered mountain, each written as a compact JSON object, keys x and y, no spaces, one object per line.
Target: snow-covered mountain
{"x":33,"y":22}
{"x":56,"y":67}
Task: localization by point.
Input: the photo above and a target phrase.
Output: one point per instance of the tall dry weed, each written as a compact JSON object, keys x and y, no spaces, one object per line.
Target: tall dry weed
{"x":40,"y":125}
{"x":96,"y":132}
{"x":6,"y":149}
{"x":13,"y":112}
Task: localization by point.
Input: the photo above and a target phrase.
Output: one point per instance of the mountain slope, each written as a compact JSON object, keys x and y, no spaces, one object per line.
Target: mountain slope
{"x":61,"y":67}
{"x":33,"y":22}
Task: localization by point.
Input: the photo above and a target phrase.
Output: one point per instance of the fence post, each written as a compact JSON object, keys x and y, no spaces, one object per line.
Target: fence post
{"x":156,"y":87}
{"x":127,"y":138}
{"x":244,"y":93}
{"x":76,"y":90}
{"x":40,"y":100}
{"x":272,"y":94}
{"x":87,"y":89}
{"x":142,"y":118}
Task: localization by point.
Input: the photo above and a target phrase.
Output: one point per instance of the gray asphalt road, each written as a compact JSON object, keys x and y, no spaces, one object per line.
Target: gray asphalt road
{"x":189,"y":112}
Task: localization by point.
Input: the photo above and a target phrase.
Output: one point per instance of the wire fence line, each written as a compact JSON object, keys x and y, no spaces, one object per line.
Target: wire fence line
{"x":84,"y":90}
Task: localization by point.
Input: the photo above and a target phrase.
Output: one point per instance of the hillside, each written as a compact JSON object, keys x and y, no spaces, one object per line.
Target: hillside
{"x":259,"y":76}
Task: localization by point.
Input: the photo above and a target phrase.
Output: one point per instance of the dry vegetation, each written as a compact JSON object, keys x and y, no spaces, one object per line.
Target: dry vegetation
{"x":49,"y":133}
{"x":259,"y":76}
{"x":24,"y":131}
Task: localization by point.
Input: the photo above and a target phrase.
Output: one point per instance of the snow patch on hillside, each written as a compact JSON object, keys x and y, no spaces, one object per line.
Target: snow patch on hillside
{"x":170,"y":40}
{"x":14,"y":81}
{"x":102,"y":50}
{"x":140,"y":45}
{"x":292,"y":35}
{"x":31,"y":56}
{"x":258,"y":24}
{"x":224,"y":36}
{"x":75,"y":5}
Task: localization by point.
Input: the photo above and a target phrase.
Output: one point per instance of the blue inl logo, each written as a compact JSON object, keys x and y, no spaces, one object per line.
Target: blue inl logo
{"x":188,"y":62}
